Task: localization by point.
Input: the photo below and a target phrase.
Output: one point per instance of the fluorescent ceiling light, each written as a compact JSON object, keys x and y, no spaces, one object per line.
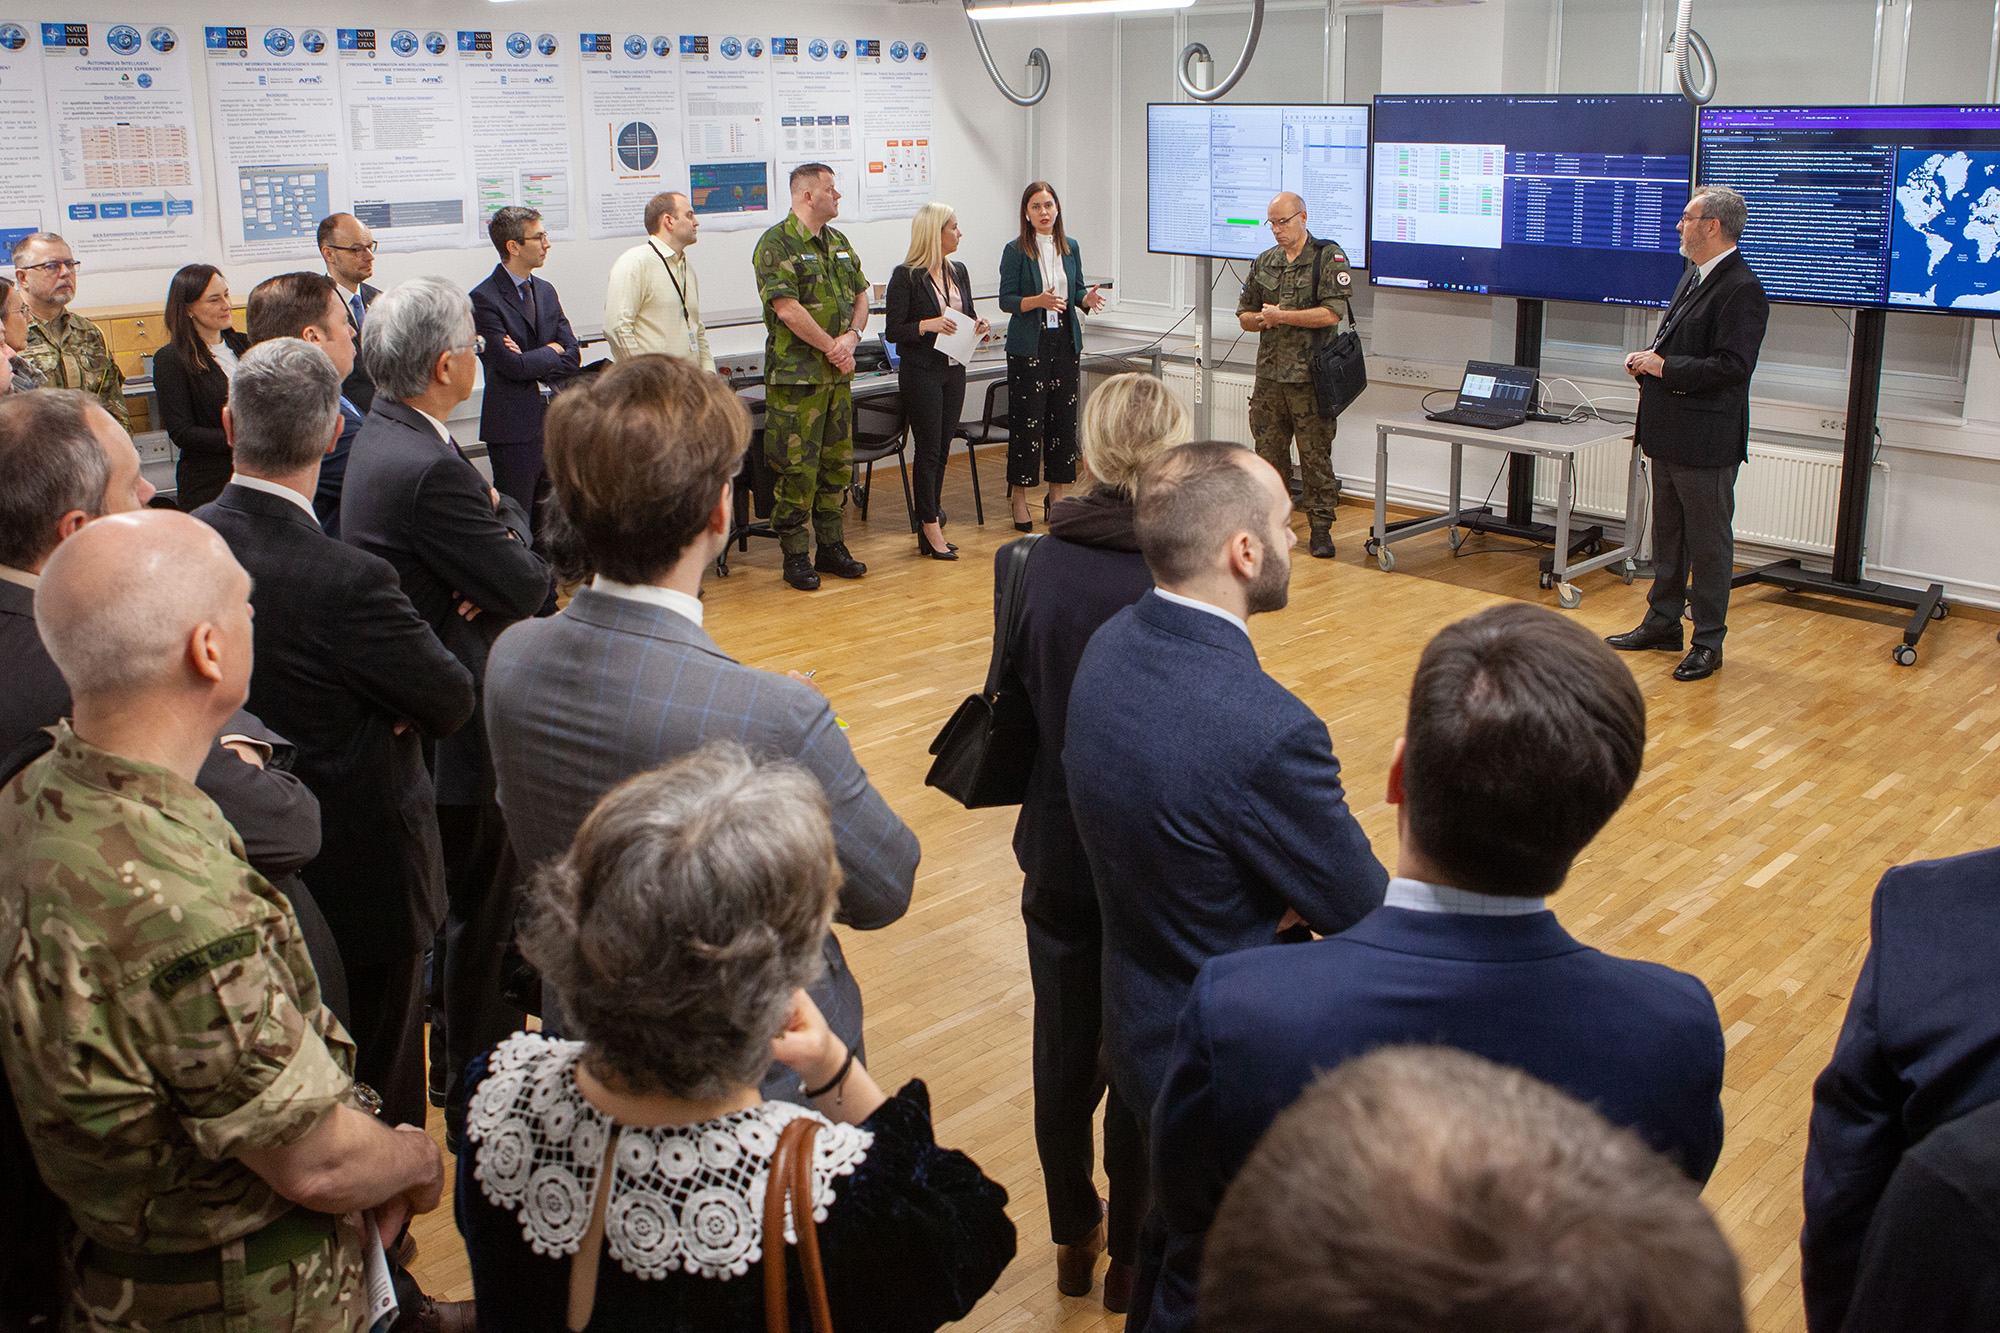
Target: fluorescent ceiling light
{"x":1064,"y":8}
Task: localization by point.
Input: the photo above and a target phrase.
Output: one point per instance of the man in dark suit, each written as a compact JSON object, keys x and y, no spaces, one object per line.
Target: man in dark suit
{"x":530,"y":349}
{"x":308,"y":306}
{"x":347,"y":668}
{"x":348,"y":248}
{"x":462,"y":553}
{"x":1694,"y":426}
{"x":1525,"y":735}
{"x":625,"y":679}
{"x":1920,"y":1047}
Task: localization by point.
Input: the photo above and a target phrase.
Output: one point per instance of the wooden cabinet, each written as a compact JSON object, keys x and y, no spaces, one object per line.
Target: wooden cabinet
{"x":133,"y":333}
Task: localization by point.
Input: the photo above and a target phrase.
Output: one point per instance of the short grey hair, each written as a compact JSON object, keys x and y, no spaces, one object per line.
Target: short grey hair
{"x":408,"y":328}
{"x":1725,"y":206}
{"x":51,"y":464}
{"x":694,"y":901}
{"x":284,"y":400}
{"x":35,"y":238}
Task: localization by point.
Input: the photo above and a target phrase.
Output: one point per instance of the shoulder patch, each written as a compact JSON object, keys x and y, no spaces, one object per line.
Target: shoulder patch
{"x":176,"y":976}
{"x":1344,"y":278}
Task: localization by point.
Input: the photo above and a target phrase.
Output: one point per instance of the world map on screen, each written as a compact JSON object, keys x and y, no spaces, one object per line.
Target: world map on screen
{"x":1945,"y":244}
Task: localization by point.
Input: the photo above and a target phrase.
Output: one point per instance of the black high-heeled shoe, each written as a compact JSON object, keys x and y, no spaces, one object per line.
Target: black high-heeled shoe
{"x":924,"y":547}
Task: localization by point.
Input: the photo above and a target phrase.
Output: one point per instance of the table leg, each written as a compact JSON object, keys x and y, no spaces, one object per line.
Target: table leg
{"x":1565,"y":487}
{"x":1457,"y":476}
{"x":1381,"y":532}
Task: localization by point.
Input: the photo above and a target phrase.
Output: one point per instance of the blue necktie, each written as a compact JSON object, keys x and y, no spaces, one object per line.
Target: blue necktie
{"x":360,"y":310}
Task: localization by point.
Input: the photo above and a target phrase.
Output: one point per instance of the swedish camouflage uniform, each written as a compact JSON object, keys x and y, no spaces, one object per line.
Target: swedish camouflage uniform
{"x":808,"y":406}
{"x":165,"y":1019}
{"x":69,"y":352}
{"x":1282,"y":403}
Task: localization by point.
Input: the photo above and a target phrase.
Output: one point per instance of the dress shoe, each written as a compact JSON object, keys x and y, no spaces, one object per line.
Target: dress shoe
{"x":1118,"y":1287}
{"x":429,"y":1316}
{"x":1640,"y":639}
{"x":1322,"y":544}
{"x":924,"y":547}
{"x":1699,"y":664}
{"x":799,"y":572}
{"x":836,"y":560}
{"x":1076,"y":1265}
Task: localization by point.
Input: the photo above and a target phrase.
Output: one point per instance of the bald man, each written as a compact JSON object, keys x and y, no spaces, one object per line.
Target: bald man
{"x":205,"y":1134}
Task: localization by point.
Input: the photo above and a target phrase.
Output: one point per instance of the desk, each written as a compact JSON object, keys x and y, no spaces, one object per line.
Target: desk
{"x":1542,"y":440}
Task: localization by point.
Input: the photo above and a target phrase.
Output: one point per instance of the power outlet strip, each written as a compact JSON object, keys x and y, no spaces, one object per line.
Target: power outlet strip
{"x":1836,"y":425}
{"x":1409,"y":374}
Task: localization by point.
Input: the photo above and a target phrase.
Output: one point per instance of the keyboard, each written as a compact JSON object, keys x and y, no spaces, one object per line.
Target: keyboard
{"x":1472,"y":416}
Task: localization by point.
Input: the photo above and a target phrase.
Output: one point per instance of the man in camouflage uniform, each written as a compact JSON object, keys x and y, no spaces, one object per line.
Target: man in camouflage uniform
{"x":68,"y":350}
{"x":815,"y":307}
{"x":1280,"y":307}
{"x":182,"y":1088}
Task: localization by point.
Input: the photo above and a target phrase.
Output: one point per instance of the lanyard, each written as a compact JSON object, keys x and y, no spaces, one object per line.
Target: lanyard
{"x":679,"y":291}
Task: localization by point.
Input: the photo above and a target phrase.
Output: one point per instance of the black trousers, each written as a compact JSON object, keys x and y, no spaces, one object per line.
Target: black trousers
{"x":1065,"y":965}
{"x":1693,"y":548}
{"x":483,"y":883}
{"x":518,"y":474}
{"x":1041,"y":410}
{"x":932,"y":401}
{"x":387,"y":999}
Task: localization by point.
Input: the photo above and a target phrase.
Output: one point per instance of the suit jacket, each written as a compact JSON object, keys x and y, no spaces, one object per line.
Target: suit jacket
{"x":1921,"y":1046}
{"x":579,"y":701}
{"x":512,"y":409}
{"x":1639,"y":1041}
{"x":419,"y":503}
{"x":333,"y":470}
{"x":1021,"y":276}
{"x":358,"y":388}
{"x":342,"y":657}
{"x":1209,"y":801}
{"x":1697,"y":413}
{"x":191,"y":404}
{"x":913,"y":300}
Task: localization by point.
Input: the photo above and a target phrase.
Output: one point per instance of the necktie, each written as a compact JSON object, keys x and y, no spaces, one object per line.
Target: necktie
{"x":360,"y":310}
{"x":1673,"y":311}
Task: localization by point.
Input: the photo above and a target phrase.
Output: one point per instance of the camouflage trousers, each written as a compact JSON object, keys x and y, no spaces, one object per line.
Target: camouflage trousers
{"x":809,"y":445}
{"x":319,"y":1293}
{"x":1280,"y":411}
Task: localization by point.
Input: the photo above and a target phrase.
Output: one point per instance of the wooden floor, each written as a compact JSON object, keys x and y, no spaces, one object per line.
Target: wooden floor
{"x":1773,"y":797}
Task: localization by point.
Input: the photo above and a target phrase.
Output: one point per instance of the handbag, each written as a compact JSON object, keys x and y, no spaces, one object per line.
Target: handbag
{"x":791,"y":1178}
{"x":1338,"y":369}
{"x":987,"y":749}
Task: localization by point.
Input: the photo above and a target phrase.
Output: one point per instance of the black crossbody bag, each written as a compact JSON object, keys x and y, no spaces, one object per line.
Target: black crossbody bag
{"x":1339,"y":371}
{"x":987,"y":749}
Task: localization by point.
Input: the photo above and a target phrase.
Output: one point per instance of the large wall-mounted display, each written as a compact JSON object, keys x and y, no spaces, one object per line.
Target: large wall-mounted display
{"x":1560,"y":198}
{"x":1211,"y":172}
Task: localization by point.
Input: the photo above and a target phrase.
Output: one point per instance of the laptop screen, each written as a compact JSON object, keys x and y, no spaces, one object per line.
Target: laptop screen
{"x":1496,"y":387}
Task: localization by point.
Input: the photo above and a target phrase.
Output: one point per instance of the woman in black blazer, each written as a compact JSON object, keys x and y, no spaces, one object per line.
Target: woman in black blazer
{"x":929,"y":294}
{"x":191,"y":380}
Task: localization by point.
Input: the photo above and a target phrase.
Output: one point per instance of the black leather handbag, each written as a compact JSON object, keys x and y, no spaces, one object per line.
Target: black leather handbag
{"x":1339,"y":371}
{"x":987,"y":749}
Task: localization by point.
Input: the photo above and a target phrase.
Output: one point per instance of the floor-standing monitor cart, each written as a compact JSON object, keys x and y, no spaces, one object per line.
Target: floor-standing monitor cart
{"x":1864,"y":393}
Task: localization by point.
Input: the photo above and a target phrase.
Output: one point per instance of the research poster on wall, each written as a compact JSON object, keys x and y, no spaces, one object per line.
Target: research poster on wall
{"x":631,"y":128}
{"x":274,"y":138}
{"x":408,"y":156}
{"x":517,"y":118}
{"x":894,"y":77}
{"x":121,"y":115}
{"x":726,"y":117}
{"x":812,"y":83}
{"x":27,"y":175}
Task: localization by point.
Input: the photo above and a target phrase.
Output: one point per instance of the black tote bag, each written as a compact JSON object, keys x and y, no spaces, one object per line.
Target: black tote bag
{"x":987,"y":749}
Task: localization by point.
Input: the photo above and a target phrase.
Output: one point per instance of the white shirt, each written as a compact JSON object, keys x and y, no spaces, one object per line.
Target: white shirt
{"x":436,"y":425}
{"x":1209,"y":607}
{"x":1054,"y":278}
{"x":225,"y":356}
{"x":273,"y":488}
{"x":1705,"y":269}
{"x":1416,"y":896}
{"x":9,"y":574}
{"x":644,"y":312}
{"x":673,"y":599}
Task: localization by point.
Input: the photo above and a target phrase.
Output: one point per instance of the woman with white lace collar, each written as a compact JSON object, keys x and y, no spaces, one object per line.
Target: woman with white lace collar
{"x":617,"y":1182}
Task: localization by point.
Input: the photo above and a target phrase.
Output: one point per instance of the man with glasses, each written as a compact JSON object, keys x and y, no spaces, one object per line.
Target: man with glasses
{"x":652,"y":302}
{"x":1694,"y":428}
{"x":348,"y":248}
{"x":530,"y":351}
{"x":68,"y":350}
{"x":1281,"y":305}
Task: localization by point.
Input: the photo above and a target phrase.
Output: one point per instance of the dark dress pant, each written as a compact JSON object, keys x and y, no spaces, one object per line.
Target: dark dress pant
{"x":387,"y":999}
{"x":518,"y":474}
{"x":932,"y":401}
{"x":482,"y":885}
{"x":1041,"y":410}
{"x":1693,"y":548}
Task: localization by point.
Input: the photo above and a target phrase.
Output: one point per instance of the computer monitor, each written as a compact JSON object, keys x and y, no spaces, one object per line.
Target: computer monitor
{"x":1561,"y":198}
{"x":1877,"y":206}
{"x":1211,"y":172}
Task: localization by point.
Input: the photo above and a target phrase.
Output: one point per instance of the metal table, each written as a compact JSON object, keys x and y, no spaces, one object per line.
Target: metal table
{"x":1543,"y":440}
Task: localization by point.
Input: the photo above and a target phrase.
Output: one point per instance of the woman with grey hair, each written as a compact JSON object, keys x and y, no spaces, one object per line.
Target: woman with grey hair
{"x":618,"y":1181}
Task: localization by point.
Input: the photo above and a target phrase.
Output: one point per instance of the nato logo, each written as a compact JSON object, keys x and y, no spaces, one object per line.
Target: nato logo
{"x":920,"y":51}
{"x":278,"y":41}
{"x":518,"y":44}
{"x":663,"y":47}
{"x":840,"y":48}
{"x":755,"y":46}
{"x":435,"y":43}
{"x":122,"y":39}
{"x":731,"y":48}
{"x":145,"y":80}
{"x":898,"y":52}
{"x":404,"y":43}
{"x":546,"y":43}
{"x":816,"y":48}
{"x":12,"y":36}
{"x":635,"y":46}
{"x":163,"y":39}
{"x":312,"y":41}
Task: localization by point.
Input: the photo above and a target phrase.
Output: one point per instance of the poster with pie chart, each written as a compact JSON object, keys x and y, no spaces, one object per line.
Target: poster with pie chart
{"x":632,"y":128}
{"x":637,"y":145}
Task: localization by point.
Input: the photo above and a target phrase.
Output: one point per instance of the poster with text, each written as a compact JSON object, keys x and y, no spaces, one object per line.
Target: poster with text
{"x":631,"y":128}
{"x":895,"y":85}
{"x":813,"y":97}
{"x":517,"y":118}
{"x":726,"y":117}
{"x":27,"y":176}
{"x":121,"y":115}
{"x":274,"y":138}
{"x":409,"y":160}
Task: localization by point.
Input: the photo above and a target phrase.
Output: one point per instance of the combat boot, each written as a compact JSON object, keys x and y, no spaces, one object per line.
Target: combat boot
{"x":836,"y":560}
{"x":1321,"y":545}
{"x":799,"y":572}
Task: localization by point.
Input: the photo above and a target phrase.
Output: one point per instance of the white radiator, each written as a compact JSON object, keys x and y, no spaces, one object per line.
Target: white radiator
{"x":1229,"y":409}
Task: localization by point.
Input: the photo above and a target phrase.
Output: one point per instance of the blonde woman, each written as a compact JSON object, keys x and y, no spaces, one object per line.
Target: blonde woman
{"x":929,"y":294}
{"x":1087,"y":568}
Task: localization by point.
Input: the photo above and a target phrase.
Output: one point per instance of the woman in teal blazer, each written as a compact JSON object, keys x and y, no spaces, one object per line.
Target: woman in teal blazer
{"x":1041,"y":287}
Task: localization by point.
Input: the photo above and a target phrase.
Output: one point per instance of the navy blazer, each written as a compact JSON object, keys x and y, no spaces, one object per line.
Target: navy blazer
{"x":1021,"y":276}
{"x":1209,"y":802}
{"x":512,"y":408}
{"x":1639,"y":1041}
{"x":1921,"y":1046}
{"x":1697,"y":413}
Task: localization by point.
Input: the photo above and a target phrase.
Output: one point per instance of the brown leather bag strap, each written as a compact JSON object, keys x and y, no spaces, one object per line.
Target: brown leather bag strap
{"x":791,"y":1175}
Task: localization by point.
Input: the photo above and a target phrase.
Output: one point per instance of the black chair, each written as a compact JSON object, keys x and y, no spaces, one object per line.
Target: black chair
{"x":751,"y":492}
{"x":881,"y":429}
{"x":990,"y":429}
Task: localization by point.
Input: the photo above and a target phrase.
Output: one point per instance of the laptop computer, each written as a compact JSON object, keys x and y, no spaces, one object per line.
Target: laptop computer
{"x":1492,"y":396}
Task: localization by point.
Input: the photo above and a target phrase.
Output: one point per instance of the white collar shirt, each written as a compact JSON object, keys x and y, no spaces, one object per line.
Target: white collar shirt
{"x":273,"y":488}
{"x":1209,"y":607}
{"x":1415,"y":895}
{"x":673,"y":599}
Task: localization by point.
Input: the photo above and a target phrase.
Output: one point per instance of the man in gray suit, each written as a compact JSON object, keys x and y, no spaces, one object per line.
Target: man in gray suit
{"x":625,"y":679}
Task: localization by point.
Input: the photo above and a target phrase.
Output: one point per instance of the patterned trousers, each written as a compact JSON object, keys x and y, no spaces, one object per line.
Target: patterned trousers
{"x":1041,"y":412}
{"x":1280,"y":411}
{"x":809,"y":446}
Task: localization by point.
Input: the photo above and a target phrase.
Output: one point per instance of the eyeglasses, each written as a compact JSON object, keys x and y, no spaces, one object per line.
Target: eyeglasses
{"x":541,"y":236}
{"x":1276,"y":223}
{"x":369,"y":248}
{"x":53,"y":266}
{"x":477,"y":346}
{"x":1694,"y":217}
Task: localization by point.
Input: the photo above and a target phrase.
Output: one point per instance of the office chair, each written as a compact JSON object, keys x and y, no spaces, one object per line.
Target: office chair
{"x":990,"y":429}
{"x":881,"y":429}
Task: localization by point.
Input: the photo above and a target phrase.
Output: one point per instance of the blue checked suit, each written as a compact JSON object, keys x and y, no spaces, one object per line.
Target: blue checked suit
{"x":580,"y":701}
